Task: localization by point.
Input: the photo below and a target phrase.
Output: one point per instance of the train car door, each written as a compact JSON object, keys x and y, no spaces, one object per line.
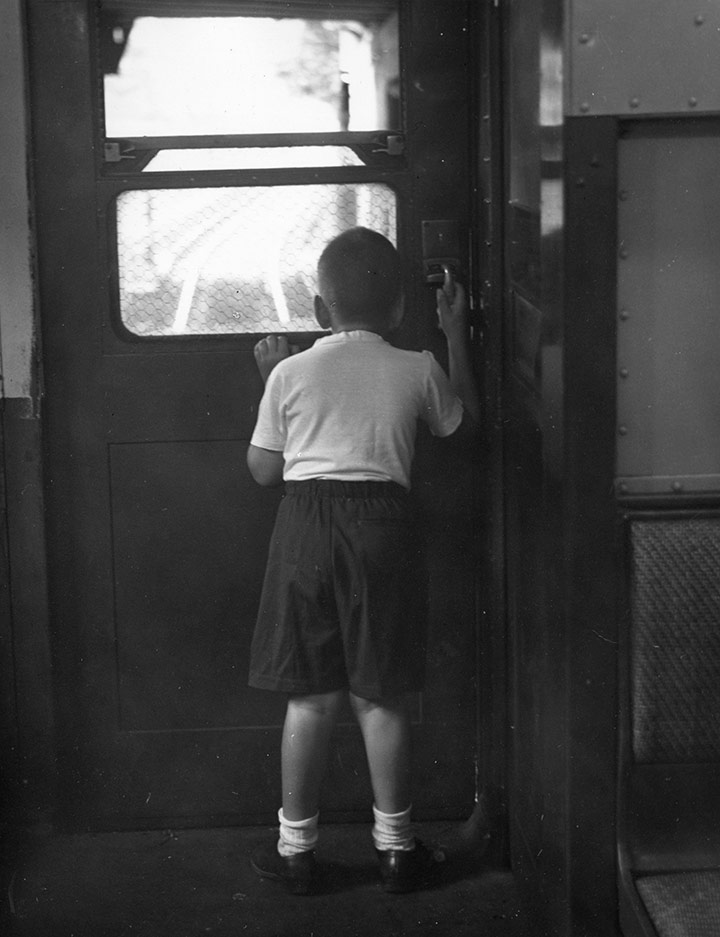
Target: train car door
{"x":190,"y":161}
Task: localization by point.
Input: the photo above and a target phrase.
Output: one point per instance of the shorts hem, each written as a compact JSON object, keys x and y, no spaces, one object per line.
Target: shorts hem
{"x":385,"y":692}
{"x":364,"y":691}
{"x":296,"y":687}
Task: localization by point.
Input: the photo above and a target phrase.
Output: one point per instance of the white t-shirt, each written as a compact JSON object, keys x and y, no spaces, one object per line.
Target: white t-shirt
{"x":348,"y":407}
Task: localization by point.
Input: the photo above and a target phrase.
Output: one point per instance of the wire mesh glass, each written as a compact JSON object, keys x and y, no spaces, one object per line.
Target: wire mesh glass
{"x":240,"y":260}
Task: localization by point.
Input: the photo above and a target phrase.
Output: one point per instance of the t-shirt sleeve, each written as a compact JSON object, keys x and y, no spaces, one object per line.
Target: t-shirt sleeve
{"x":443,"y":408}
{"x":270,"y":431}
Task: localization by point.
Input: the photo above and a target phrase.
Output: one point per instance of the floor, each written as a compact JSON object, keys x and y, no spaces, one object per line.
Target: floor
{"x":188,"y":883}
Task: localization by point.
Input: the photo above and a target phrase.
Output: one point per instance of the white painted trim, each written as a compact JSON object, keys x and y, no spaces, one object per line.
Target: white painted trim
{"x":17,"y":325}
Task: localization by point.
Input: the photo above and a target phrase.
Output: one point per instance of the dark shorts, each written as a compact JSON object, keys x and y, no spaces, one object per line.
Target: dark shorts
{"x":343,"y":602}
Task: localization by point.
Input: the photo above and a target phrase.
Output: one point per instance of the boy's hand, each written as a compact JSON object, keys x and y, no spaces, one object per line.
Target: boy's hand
{"x":271,"y":350}
{"x":452,"y":313}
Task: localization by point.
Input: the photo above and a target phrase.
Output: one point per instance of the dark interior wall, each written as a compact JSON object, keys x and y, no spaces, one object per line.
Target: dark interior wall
{"x":533,"y":416}
{"x":26,"y":700}
{"x":488,"y":261}
{"x":8,"y":717}
{"x":593,"y":560}
{"x":561,"y":552}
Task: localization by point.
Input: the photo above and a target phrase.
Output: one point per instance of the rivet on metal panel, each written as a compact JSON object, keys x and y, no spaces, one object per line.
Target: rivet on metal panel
{"x":677,"y":486}
{"x":692,"y":102}
{"x":699,"y":19}
{"x":624,"y":372}
{"x":624,"y":315}
{"x":595,"y":161}
{"x":584,"y":107}
{"x":622,"y":430}
{"x":634,"y":102}
{"x":580,"y":182}
{"x":622,"y":488}
{"x":584,"y":38}
{"x":623,"y":253}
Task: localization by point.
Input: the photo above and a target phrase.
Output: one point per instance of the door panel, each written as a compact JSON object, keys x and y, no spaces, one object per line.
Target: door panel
{"x":181,"y":518}
{"x":158,"y":534}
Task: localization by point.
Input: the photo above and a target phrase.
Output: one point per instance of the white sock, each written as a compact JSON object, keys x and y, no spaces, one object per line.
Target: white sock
{"x":393,"y":830}
{"x":297,"y":835}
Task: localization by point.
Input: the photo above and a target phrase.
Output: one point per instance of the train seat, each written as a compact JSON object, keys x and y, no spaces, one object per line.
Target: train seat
{"x":669,"y":791}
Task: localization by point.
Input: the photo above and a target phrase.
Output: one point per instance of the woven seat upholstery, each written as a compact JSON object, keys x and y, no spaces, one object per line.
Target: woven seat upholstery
{"x":683,"y":904}
{"x":675,"y":642}
{"x":670,"y":776}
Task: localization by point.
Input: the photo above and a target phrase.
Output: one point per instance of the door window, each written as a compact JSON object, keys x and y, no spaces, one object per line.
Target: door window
{"x":233,"y":260}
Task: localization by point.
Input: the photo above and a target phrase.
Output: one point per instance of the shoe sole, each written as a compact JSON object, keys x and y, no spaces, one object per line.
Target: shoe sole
{"x":294,"y":886}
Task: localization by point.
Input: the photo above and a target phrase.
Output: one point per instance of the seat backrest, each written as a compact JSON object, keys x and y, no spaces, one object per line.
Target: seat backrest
{"x":669,"y":780}
{"x":675,"y":641}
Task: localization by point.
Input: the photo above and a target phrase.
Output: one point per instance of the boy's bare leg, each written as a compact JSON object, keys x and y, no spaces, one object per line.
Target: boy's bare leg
{"x":385,"y":727}
{"x":405,"y":862}
{"x":309,"y":723}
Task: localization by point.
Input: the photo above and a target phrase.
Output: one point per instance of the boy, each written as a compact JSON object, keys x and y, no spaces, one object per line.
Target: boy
{"x":341,"y":610}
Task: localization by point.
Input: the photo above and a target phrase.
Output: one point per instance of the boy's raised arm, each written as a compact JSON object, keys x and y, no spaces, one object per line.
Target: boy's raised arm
{"x":266,"y":465}
{"x":453,"y":317}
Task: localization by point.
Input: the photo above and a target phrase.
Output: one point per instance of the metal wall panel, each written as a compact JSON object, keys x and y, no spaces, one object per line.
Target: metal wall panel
{"x":643,"y":57}
{"x":668,"y":397}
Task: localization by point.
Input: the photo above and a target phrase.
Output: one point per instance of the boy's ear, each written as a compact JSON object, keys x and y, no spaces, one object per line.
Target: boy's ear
{"x":322,"y":313}
{"x":398,"y":314}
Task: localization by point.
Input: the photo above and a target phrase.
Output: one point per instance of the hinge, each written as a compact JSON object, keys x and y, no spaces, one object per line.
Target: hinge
{"x":381,"y":150}
{"x":113,"y":152}
{"x":394,"y":146}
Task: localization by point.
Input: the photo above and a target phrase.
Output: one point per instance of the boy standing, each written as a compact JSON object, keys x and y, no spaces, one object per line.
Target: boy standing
{"x":341,"y":610}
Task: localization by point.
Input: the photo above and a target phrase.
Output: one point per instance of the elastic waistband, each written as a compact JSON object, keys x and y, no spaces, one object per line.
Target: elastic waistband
{"x":334,"y":488}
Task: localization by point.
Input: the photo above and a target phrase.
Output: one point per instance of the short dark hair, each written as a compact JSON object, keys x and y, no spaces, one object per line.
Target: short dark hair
{"x":361,"y":270}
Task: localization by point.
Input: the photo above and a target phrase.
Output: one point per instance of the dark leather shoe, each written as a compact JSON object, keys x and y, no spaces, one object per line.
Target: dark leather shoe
{"x":405,"y":870}
{"x":297,"y":872}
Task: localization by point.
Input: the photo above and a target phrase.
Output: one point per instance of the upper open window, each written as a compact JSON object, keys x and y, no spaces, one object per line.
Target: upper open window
{"x":247,"y":73}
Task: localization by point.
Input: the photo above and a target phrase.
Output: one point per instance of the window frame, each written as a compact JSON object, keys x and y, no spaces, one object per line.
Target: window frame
{"x":119,"y":339}
{"x":123,"y":332}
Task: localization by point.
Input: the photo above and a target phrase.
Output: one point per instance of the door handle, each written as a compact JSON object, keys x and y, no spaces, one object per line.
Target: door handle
{"x":440,"y":251}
